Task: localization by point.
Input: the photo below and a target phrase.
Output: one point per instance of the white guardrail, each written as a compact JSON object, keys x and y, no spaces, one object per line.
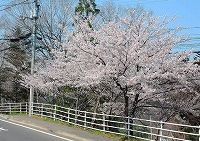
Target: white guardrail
{"x":143,"y":129}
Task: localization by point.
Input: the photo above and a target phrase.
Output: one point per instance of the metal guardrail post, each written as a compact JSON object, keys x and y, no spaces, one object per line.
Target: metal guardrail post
{"x":54,"y":114}
{"x":85,"y":119}
{"x":31,"y":108}
{"x":42,"y":107}
{"x":151,"y":137}
{"x":76,"y":116}
{"x":10,"y":107}
{"x":199,"y":133}
{"x":26,"y":108}
{"x":128,"y":127}
{"x":161,"y":127}
{"x":104,"y":122}
{"x":68,"y":115}
{"x":20,"y":108}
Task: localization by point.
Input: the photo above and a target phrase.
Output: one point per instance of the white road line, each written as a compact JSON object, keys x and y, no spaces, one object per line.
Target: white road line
{"x":2,"y":129}
{"x":36,"y":130}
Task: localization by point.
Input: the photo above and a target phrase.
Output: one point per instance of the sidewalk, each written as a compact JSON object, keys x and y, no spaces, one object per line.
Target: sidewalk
{"x":72,"y":133}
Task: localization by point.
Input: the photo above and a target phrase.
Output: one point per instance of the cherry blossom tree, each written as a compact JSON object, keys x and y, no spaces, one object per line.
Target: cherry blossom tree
{"x":127,"y":61}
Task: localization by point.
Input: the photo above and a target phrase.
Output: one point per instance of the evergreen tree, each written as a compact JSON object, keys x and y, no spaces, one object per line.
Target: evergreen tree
{"x":85,"y":9}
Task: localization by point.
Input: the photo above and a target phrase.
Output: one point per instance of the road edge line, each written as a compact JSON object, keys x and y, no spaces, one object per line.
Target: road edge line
{"x":37,"y":130}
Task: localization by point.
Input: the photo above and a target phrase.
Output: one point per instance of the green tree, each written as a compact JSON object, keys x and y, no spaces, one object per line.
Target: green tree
{"x":85,"y":9}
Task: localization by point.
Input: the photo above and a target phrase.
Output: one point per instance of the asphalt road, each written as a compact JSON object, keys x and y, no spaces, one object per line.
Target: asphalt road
{"x":15,"y":132}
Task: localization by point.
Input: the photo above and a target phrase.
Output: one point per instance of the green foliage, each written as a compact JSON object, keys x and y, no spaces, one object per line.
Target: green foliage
{"x":68,"y":89}
{"x":95,"y":132}
{"x":191,"y":137}
{"x":85,"y":7}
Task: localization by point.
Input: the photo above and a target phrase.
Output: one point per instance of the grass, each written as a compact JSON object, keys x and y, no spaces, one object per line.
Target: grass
{"x":16,"y":113}
{"x":92,"y":131}
{"x":112,"y":136}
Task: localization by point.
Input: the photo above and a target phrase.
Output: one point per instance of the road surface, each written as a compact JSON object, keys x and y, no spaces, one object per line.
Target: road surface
{"x":10,"y":131}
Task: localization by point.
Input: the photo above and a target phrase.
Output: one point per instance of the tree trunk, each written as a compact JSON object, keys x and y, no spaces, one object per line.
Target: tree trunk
{"x":126,"y":109}
{"x":133,"y":111}
{"x":135,"y":105}
{"x":95,"y":110}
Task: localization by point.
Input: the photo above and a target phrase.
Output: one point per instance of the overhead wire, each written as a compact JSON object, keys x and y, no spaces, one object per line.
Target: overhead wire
{"x":8,"y":6}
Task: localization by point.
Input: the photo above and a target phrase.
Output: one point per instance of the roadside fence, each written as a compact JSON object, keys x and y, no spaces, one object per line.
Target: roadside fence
{"x":143,"y":129}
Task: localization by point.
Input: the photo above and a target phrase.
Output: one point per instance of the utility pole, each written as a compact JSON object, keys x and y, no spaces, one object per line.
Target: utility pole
{"x":34,"y":38}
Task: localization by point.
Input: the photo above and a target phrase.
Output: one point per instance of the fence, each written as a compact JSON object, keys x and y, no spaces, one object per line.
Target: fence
{"x":143,"y":129}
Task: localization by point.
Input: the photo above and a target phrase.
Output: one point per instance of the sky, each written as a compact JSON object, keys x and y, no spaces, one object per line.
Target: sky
{"x":186,"y":12}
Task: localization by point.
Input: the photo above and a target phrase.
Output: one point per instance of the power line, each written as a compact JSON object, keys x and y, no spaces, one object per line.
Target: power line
{"x":13,"y":5}
{"x":8,"y":4}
